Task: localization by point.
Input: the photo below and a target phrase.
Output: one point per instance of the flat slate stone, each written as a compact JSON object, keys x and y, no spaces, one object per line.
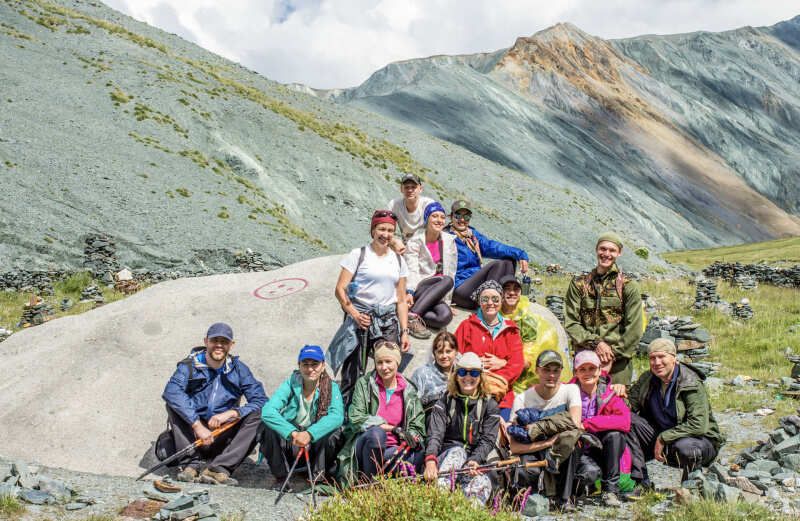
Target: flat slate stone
{"x":36,"y":497}
{"x":789,"y":446}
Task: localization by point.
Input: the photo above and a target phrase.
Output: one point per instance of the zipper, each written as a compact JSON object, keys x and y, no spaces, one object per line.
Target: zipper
{"x":214,"y":388}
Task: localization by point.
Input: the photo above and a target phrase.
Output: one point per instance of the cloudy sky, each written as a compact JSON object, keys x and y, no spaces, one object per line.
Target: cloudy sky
{"x":339,"y":43}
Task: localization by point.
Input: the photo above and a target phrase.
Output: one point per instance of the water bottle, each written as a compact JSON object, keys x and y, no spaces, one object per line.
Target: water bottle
{"x":352,"y":289}
{"x":526,"y":285}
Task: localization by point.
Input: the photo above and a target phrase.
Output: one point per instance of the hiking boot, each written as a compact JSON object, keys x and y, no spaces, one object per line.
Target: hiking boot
{"x":217,"y":478}
{"x":189,"y":475}
{"x":417,"y":327}
{"x":610,"y":499}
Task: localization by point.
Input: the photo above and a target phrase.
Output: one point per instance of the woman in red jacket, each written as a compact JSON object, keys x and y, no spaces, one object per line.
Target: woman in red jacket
{"x":608,"y":417}
{"x":496,"y":341}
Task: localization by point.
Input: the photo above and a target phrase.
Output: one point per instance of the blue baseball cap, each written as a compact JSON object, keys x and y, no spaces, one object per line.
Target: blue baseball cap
{"x":220,"y":329}
{"x":311,"y":353}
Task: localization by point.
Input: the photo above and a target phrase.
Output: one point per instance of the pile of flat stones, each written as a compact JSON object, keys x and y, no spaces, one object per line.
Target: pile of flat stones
{"x":555,"y":303}
{"x":27,"y":485}
{"x":39,"y":282}
{"x":706,"y":295}
{"x":690,"y":337}
{"x":91,"y":293}
{"x":248,"y":260}
{"x":650,"y":305}
{"x":742,"y":310}
{"x":191,"y":505}
{"x":792,"y":383}
{"x":100,"y":257}
{"x":553,"y":269}
{"x":788,"y":277}
{"x":745,"y":282}
{"x":35,"y":312}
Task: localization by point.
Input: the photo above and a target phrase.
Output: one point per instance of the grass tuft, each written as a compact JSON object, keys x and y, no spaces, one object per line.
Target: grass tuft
{"x":10,"y":507}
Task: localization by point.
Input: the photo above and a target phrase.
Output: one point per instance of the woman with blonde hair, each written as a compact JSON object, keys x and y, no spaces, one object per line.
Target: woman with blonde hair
{"x":463,"y":428}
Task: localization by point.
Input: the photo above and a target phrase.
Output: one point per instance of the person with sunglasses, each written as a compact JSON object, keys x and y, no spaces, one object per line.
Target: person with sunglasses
{"x":371,"y":290}
{"x":432,"y":258}
{"x":496,"y":341}
{"x":473,"y":247}
{"x":409,"y":210}
{"x":384,"y":417}
{"x":462,"y":430}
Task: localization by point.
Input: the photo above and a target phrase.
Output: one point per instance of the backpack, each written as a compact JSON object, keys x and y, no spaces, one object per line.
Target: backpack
{"x":480,"y":405}
{"x":165,"y":443}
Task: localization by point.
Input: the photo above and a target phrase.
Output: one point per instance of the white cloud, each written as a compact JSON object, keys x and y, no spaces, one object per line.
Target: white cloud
{"x":339,"y":43}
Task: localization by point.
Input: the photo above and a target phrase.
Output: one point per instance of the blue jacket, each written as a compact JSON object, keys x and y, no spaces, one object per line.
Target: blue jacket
{"x":469,"y":262}
{"x":210,"y":392}
{"x":280,"y":412}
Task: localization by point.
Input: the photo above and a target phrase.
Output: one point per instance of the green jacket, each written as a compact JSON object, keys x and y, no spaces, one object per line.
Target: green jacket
{"x":695,"y":417}
{"x":362,"y":411}
{"x":280,"y":411}
{"x":593,"y":312}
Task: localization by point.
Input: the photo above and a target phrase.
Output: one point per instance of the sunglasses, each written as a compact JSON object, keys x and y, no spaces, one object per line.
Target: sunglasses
{"x":462,"y":216}
{"x":486,"y":300}
{"x":475,"y":373}
{"x":384,"y":213}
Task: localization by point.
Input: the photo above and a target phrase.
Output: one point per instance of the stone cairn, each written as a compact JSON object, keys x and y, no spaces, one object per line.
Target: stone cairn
{"x":35,"y":312}
{"x":553,"y":269}
{"x":788,"y":277}
{"x":163,"y":500}
{"x":250,"y":261}
{"x":745,"y":282}
{"x":29,"y":486}
{"x":706,"y":294}
{"x":100,"y":257}
{"x":91,"y":293}
{"x":742,"y":310}
{"x":689,"y":337}
{"x":792,"y":383}
{"x":650,"y":305}
{"x":39,"y":282}
{"x":555,"y":303}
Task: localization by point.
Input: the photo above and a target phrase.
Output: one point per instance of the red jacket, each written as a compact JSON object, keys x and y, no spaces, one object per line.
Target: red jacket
{"x":613,"y":413}
{"x":473,"y":336}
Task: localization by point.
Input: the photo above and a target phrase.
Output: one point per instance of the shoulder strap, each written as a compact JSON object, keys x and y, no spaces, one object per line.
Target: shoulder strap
{"x":480,"y":409}
{"x":360,"y":260}
{"x":620,"y":285}
{"x":452,"y":407}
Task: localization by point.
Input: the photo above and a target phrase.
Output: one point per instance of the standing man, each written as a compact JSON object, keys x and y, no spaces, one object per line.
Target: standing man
{"x":203,"y":394}
{"x":603,"y":311}
{"x":409,"y":210}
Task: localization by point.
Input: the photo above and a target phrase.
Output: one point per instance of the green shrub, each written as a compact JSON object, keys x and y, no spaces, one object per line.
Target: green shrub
{"x":707,"y":510}
{"x":223,"y":214}
{"x":183,"y":192}
{"x":74,"y":284}
{"x":118,"y":96}
{"x":642,"y":253}
{"x":10,"y":507}
{"x":392,"y":499}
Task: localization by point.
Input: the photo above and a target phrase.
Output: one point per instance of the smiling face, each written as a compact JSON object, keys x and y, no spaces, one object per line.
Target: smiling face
{"x":217,"y":348}
{"x":445,"y":354}
{"x":662,"y":364}
{"x":549,"y":375}
{"x":511,"y":294}
{"x":468,"y":384}
{"x":607,"y":253}
{"x":410,"y":191}
{"x":436,"y":222}
{"x":588,"y":376}
{"x":382,"y":234}
{"x":489,"y":301}
{"x":460,"y":220}
{"x":311,"y":370}
{"x":386,"y":367}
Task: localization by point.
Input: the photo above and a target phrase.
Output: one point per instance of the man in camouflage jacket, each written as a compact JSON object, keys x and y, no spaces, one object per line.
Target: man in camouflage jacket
{"x":603,"y":311}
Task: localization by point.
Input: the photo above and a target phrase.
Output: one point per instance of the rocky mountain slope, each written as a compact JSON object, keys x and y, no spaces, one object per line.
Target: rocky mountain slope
{"x":691,"y":139}
{"x":109,"y":125}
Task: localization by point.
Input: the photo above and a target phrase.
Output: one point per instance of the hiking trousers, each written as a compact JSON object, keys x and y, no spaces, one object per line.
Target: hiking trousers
{"x":608,"y":458}
{"x":355,"y":365}
{"x":372,"y":453}
{"x":429,"y":301}
{"x":228,"y":450}
{"x":494,"y":270}
{"x":280,"y":453}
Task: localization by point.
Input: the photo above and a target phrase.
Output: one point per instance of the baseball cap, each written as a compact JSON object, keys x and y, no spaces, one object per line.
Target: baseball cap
{"x":548,"y":357}
{"x":413,"y":178}
{"x":587,"y":357}
{"x":460,"y":205}
{"x":469,"y":360}
{"x":509,"y":278}
{"x":220,"y":329}
{"x":311,"y":353}
{"x":662,"y":345}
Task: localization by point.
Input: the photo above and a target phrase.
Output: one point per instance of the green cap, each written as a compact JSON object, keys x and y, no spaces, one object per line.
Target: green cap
{"x":548,"y":357}
{"x":610,"y":237}
{"x":460,"y":205}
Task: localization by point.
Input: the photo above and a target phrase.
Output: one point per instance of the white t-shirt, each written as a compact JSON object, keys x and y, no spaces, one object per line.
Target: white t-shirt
{"x":567,"y":396}
{"x":377,"y":277}
{"x":409,"y":222}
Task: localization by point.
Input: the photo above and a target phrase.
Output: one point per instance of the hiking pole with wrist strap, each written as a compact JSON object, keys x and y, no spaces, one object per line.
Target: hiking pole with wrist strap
{"x":289,"y":475}
{"x":400,"y":448}
{"x":310,"y":478}
{"x":190,"y":448}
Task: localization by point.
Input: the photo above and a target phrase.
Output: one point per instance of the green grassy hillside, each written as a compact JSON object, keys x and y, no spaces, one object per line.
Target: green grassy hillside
{"x":780,"y":251}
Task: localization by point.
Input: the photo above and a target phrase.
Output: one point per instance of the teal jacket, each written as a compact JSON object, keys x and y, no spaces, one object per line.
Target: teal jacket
{"x":280,"y":412}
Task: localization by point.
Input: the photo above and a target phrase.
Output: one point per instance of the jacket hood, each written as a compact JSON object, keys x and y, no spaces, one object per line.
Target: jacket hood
{"x":230,"y":360}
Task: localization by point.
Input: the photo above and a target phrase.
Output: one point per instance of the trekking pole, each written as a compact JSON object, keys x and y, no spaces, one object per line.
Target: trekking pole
{"x":289,"y":475}
{"x":482,"y":468}
{"x":190,"y":448}
{"x":310,"y":478}
{"x":401,"y":455}
{"x":400,"y":448}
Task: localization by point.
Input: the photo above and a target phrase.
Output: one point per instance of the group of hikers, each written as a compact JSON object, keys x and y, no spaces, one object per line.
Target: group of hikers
{"x":457,"y":420}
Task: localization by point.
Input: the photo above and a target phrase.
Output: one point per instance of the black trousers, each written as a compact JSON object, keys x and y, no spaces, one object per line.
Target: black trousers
{"x":608,"y":458}
{"x":494,"y":270}
{"x":228,"y":450}
{"x":280,"y":453}
{"x":372,"y":453}
{"x":687,"y":454}
{"x":429,"y":301}
{"x":355,"y":365}
{"x":559,"y":486}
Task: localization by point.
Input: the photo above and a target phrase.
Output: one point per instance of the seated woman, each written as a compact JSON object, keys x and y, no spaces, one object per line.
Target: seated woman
{"x":305,"y":411}
{"x":385,"y":413}
{"x":431,"y":379}
{"x":432,"y":258}
{"x":496,"y":341}
{"x":463,"y":430}
{"x":473,"y":247}
{"x":605,"y":415}
{"x":371,"y":291}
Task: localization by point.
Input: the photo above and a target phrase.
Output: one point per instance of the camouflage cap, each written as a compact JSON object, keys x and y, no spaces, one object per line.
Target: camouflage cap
{"x":460,"y":205}
{"x":662,"y":345}
{"x":610,"y":237}
{"x":548,"y":357}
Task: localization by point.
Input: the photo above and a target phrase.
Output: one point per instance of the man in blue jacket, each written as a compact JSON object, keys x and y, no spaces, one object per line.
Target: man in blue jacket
{"x":473,"y":247}
{"x":204,"y":393}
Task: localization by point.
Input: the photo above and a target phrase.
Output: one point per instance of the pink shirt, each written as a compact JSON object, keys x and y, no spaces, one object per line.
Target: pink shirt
{"x":436,"y":253}
{"x":392,"y":411}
